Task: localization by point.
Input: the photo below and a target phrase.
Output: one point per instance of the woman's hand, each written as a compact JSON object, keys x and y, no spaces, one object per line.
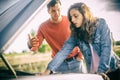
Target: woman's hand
{"x":104,"y":76}
{"x":47,"y":72}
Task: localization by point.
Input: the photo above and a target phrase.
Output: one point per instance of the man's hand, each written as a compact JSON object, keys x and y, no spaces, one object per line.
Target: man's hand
{"x":33,"y":42}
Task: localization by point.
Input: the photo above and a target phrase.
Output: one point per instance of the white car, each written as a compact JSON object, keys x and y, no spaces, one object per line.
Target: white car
{"x":13,"y":13}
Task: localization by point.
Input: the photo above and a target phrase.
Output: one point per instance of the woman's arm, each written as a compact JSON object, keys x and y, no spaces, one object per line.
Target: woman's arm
{"x":62,"y":54}
{"x":105,"y":47}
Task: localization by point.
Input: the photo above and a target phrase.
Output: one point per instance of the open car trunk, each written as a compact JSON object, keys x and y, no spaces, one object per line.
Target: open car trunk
{"x":13,"y":14}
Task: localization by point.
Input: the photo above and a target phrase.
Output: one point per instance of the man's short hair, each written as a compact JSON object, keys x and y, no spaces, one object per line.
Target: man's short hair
{"x":52,"y":3}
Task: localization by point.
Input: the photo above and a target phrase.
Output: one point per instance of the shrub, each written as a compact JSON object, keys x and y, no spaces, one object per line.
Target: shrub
{"x":44,"y":48}
{"x":117,"y":42}
{"x":118,"y":53}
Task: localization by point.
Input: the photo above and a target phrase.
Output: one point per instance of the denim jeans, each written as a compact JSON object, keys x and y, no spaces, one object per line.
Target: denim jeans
{"x":74,"y":66}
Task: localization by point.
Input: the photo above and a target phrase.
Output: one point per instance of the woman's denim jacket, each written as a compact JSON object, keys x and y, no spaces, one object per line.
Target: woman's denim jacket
{"x":102,"y":44}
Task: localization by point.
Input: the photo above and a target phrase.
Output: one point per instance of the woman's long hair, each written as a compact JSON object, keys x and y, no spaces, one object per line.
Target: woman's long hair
{"x":86,"y":31}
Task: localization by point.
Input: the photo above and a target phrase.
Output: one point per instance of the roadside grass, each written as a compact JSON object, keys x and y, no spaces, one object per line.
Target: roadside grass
{"x":117,"y":50}
{"x":28,"y":62}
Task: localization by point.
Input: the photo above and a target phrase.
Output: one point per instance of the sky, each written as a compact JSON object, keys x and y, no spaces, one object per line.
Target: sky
{"x":99,"y":8}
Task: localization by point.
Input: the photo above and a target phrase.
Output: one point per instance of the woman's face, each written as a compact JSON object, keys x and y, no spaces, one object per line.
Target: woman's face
{"x":76,"y":17}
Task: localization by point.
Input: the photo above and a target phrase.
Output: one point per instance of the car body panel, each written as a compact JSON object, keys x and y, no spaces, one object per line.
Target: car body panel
{"x":70,"y":76}
{"x":12,"y":18}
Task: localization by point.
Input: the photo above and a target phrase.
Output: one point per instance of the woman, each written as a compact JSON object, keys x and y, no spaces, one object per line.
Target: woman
{"x":92,"y":35}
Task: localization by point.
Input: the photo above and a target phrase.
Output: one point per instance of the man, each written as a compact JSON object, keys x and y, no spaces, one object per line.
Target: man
{"x":56,"y":31}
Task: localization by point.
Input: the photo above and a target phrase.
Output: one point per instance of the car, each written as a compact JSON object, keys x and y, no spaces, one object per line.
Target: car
{"x":13,"y":14}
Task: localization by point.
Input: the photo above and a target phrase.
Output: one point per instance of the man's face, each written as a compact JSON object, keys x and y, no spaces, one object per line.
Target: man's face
{"x":55,"y":12}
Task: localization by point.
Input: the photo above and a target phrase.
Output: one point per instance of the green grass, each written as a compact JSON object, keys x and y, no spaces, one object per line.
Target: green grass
{"x":32,"y":68}
{"x":117,"y":50}
{"x":118,"y":53}
{"x":22,"y":62}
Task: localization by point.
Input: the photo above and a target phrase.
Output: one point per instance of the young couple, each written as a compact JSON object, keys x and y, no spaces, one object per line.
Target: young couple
{"x":89,"y":33}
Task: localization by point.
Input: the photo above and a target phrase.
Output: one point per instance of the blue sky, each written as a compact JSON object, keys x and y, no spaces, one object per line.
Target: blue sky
{"x":98,"y":7}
